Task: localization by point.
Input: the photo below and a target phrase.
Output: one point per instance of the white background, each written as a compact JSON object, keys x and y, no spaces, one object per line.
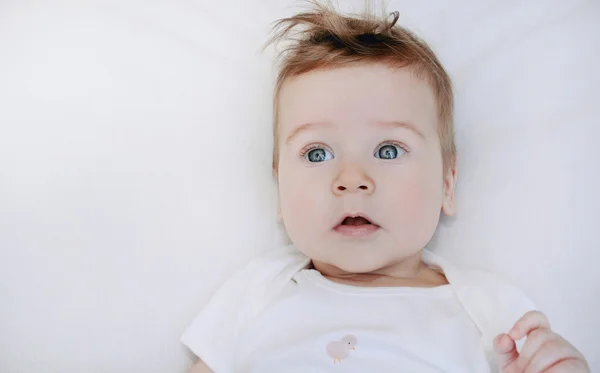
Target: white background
{"x":135,"y":165}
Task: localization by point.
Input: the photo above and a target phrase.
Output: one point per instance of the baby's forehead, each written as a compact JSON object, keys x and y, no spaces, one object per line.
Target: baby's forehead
{"x":357,"y":93}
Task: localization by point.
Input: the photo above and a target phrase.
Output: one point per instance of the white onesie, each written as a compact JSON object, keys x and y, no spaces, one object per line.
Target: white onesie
{"x":279,"y":316}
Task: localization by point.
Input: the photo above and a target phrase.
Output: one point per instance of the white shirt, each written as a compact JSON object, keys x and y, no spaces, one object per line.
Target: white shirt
{"x":279,"y":316}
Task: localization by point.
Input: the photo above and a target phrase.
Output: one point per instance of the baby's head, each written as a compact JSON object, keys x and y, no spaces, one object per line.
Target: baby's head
{"x":362,"y":128}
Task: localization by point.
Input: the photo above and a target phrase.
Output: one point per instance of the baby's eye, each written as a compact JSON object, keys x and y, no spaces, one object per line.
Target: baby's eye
{"x":318,"y":155}
{"x":389,"y":151}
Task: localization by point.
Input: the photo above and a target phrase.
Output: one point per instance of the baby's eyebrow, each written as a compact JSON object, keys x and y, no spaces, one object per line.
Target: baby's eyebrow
{"x":400,"y":124}
{"x":307,"y":126}
{"x":382,"y":123}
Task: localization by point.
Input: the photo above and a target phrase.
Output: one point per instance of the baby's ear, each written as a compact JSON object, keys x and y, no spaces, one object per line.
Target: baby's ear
{"x":450,"y":175}
{"x":275,"y":167}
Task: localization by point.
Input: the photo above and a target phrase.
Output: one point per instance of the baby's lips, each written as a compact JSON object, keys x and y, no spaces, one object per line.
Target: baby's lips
{"x":355,"y":215}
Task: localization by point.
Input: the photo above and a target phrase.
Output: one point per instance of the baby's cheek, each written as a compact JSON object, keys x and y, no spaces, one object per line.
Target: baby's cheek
{"x":417,"y":203}
{"x":304,"y":185}
{"x":297,"y":194}
{"x":301,"y":201}
{"x":302,"y":210}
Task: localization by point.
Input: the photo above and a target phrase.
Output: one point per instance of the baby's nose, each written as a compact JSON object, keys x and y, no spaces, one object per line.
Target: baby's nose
{"x":353,"y":181}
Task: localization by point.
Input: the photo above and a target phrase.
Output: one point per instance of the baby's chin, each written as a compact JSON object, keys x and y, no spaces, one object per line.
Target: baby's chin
{"x":356,"y":263}
{"x":357,"y":259}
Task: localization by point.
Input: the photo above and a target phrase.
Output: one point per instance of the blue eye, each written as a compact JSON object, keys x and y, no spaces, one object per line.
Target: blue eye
{"x":318,"y":155}
{"x":389,"y":151}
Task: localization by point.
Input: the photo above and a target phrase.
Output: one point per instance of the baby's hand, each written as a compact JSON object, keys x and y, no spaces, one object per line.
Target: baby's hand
{"x":543,"y":351}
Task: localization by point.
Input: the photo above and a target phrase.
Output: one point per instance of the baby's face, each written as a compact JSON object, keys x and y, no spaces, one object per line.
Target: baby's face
{"x":360,"y":141}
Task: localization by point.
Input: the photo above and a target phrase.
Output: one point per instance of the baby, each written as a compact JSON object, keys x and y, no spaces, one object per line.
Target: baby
{"x":365,"y":162}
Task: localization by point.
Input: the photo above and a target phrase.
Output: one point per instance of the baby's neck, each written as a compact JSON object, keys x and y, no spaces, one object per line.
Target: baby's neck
{"x":411,"y":272}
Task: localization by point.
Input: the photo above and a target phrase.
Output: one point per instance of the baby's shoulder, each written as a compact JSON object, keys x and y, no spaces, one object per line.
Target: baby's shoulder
{"x":492,"y":294}
{"x":262,"y":279}
{"x":479,"y":278}
{"x":493,"y":303}
{"x":491,"y":285}
{"x":238,"y":301}
{"x":483,"y":294}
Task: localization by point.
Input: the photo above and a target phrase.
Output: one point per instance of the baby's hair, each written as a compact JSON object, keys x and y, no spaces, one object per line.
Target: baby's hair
{"x":323,"y":38}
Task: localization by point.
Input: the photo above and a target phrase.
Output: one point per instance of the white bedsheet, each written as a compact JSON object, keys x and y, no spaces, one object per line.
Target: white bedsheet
{"x":135,"y":150}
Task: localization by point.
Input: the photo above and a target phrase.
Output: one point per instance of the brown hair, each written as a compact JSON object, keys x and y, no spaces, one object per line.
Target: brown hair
{"x":330,"y":39}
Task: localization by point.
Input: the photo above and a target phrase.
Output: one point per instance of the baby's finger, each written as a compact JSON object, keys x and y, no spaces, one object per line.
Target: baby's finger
{"x":506,"y":351}
{"x":530,"y":321}
{"x":554,"y":352}
{"x":573,"y":365}
{"x":536,"y":339}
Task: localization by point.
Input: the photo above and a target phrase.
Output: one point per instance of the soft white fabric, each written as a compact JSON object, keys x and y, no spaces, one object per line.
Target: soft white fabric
{"x":277,"y":315}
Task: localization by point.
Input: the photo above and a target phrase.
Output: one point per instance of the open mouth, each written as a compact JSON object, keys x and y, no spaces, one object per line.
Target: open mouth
{"x":355,"y":221}
{"x":356,"y":226}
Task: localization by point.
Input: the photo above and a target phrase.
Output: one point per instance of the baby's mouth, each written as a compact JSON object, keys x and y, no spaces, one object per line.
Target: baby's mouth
{"x":356,"y":226}
{"x":355,"y":221}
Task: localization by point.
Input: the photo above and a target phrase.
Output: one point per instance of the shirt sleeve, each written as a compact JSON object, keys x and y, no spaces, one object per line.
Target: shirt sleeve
{"x":212,"y":335}
{"x":501,"y":305}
